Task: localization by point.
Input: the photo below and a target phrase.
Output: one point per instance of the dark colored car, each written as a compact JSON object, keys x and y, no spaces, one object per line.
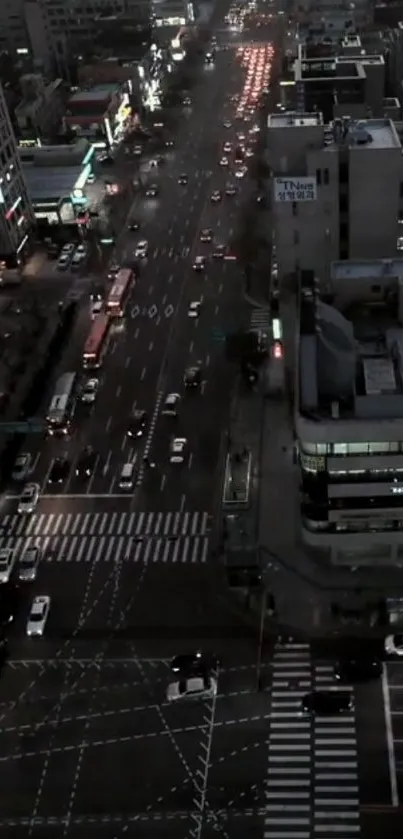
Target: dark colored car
{"x":193,"y":377}
{"x":133,"y":225}
{"x":152,"y":191}
{"x":183,"y":179}
{"x":9,"y":604}
{"x":137,"y":424}
{"x":327,"y":702}
{"x":86,"y":463}
{"x":358,"y":670}
{"x":195,"y":664}
{"x":59,"y":471}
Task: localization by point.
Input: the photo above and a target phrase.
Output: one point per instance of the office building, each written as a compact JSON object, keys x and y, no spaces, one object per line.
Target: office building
{"x":337,"y":190}
{"x":39,"y":113}
{"x":16,"y":215}
{"x":349,"y":412}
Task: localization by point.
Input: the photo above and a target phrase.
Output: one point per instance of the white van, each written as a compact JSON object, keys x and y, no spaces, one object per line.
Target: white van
{"x":127,"y":477}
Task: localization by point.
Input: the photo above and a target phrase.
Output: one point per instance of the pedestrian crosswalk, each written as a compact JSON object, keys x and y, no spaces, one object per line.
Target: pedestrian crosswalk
{"x":110,"y":537}
{"x":260,"y":319}
{"x":312,"y":784}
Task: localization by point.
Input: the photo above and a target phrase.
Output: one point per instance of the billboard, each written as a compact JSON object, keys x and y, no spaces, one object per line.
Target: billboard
{"x":294,"y":190}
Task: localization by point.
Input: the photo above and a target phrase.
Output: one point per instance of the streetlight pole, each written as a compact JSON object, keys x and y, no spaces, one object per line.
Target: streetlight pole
{"x":260,"y":641}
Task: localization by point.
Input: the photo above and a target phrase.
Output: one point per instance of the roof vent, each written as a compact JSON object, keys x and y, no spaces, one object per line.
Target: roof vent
{"x":362,"y":137}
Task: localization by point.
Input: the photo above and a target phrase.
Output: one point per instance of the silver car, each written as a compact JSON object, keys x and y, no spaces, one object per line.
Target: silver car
{"x":28,"y":565}
{"x":38,"y":615}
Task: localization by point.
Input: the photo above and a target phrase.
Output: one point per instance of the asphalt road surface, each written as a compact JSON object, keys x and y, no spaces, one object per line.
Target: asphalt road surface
{"x":89,"y":745}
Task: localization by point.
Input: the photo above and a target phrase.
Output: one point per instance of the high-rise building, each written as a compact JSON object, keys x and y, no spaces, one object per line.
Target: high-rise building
{"x":16,"y":214}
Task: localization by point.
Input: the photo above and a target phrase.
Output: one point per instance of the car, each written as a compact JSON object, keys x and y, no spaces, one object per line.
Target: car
{"x":141,"y":250}
{"x":224,"y":161}
{"x":206,"y":234}
{"x":194,"y":309}
{"x":22,"y":467}
{"x":215,"y":196}
{"x":152,"y":191}
{"x":199,"y":263}
{"x":28,"y":564}
{"x":394,"y":644}
{"x":89,"y":391}
{"x":38,"y":615}
{"x":195,"y":664}
{"x":113,"y":269}
{"x":63,"y":262}
{"x":187,"y":101}
{"x":80,"y":255}
{"x":86,"y":463}
{"x":197,"y":687}
{"x":96,"y":308}
{"x":218,"y":251}
{"x":169,"y":144}
{"x":133,"y":225}
{"x":7,"y":560}
{"x":353,"y":670}
{"x":231,"y":190}
{"x":59,"y":471}
{"x":227,"y":148}
{"x":29,"y":498}
{"x":177,"y":449}
{"x":138,"y":151}
{"x":9,"y":604}
{"x":327,"y":702}
{"x":137,"y":424}
{"x":171,"y":405}
{"x":183,"y":179}
{"x":193,"y":376}
{"x":107,"y":160}
{"x":241,"y":172}
{"x":227,"y":124}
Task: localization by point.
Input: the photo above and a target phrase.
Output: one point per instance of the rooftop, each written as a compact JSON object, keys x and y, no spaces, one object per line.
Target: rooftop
{"x":58,"y":182}
{"x":351,"y":343}
{"x":99,"y":93}
{"x":293,"y":119}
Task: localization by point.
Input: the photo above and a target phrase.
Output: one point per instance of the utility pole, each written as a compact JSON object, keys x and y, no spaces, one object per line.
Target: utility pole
{"x":260,"y":641}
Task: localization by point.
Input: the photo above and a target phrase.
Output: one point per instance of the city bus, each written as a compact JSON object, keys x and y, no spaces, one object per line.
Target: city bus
{"x":97,"y":342}
{"x":61,"y":408}
{"x":119,"y":293}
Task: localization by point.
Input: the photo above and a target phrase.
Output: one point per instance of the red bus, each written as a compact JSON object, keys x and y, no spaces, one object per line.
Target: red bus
{"x":119,"y":292}
{"x":97,"y":342}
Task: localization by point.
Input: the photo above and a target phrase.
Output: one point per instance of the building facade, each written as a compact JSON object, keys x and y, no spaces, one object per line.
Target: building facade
{"x":38,"y":116}
{"x":337,"y":190}
{"x":16,"y":215}
{"x":349,"y":412}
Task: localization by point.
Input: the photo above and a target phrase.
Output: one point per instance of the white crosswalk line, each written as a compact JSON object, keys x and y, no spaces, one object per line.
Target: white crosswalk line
{"x":260,"y":319}
{"x":318,"y":755}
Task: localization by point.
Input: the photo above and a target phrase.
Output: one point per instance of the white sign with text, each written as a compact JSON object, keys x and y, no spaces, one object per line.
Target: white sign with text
{"x":294,"y":189}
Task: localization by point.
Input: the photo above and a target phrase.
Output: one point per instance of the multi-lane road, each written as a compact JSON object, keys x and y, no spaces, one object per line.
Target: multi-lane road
{"x":89,"y":745}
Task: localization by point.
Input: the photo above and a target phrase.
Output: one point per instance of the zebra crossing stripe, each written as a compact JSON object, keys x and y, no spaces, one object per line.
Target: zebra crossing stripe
{"x":153,"y":525}
{"x":108,"y":549}
{"x":260,"y":319}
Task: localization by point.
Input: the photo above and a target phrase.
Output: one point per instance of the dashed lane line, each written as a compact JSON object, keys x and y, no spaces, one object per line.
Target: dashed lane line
{"x":121,"y":818}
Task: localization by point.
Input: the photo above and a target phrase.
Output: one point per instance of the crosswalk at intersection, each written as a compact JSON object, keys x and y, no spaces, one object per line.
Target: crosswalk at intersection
{"x":110,"y":537}
{"x":312,"y":785}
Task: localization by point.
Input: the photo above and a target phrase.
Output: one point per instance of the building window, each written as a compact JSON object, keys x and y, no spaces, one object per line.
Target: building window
{"x":326,"y":177}
{"x":318,"y":177}
{"x":294,"y":208}
{"x":343,"y":172}
{"x":296,"y":237}
{"x":343,"y":203}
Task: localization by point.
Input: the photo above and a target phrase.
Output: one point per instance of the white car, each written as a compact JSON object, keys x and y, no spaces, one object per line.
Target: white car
{"x":29,"y":498}
{"x":171,"y":404}
{"x":227,"y":148}
{"x":224,"y":161}
{"x":141,"y":249}
{"x":138,"y":151}
{"x":199,"y":263}
{"x":7,"y":560}
{"x":196,"y":687}
{"x":28,"y":564}
{"x":394,"y":644}
{"x":22,"y":467}
{"x":80,"y":255}
{"x":178,"y":450}
{"x":194,"y":309}
{"x":96,"y":308}
{"x":240,"y":173}
{"x":63,"y":262}
{"x":89,"y":391}
{"x":38,"y":615}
